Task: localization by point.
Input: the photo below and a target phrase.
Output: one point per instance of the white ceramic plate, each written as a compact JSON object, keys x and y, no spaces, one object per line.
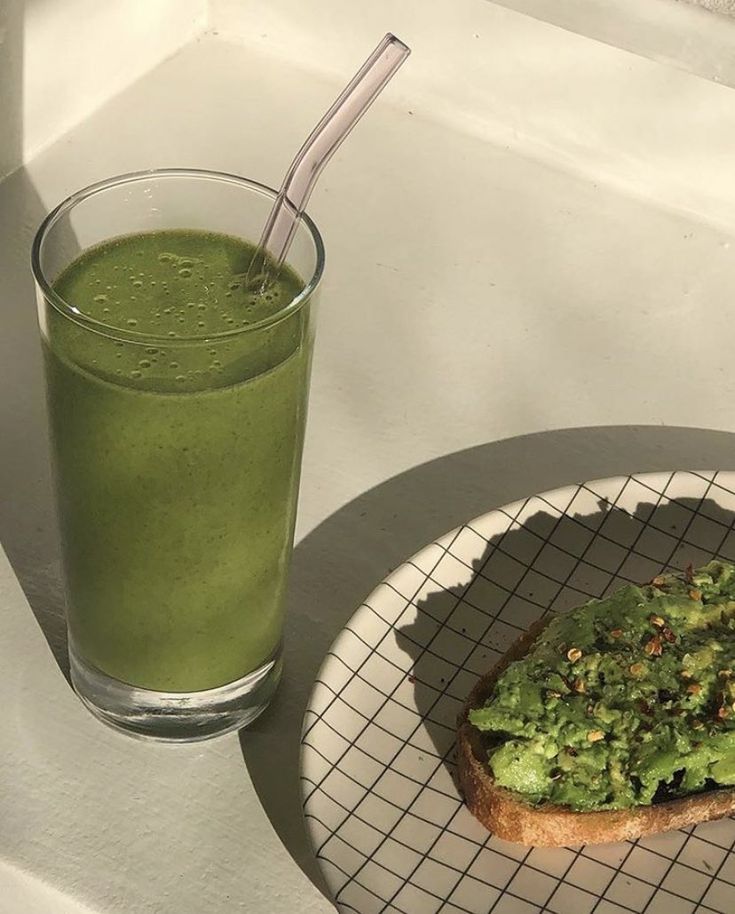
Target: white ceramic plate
{"x":385,"y":819}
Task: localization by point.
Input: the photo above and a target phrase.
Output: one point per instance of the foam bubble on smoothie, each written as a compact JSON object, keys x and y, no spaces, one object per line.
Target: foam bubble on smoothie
{"x":176,"y":284}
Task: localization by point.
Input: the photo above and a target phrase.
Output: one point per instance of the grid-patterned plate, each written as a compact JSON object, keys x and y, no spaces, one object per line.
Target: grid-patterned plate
{"x":386,"y":821}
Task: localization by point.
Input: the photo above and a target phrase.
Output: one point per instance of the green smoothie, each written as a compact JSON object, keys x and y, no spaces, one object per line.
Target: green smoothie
{"x":177,"y":431}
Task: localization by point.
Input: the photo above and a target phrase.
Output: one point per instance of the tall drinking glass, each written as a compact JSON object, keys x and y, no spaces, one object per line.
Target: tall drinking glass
{"x":177,"y":402}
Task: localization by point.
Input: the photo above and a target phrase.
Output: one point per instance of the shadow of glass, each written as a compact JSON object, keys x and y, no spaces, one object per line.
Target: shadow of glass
{"x":461,"y":632}
{"x":345,"y":557}
{"x":11,"y":80}
{"x":27,"y":519}
{"x":27,"y":514}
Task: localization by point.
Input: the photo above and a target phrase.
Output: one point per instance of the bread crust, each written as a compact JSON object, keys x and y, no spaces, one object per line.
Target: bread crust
{"x":508,"y":816}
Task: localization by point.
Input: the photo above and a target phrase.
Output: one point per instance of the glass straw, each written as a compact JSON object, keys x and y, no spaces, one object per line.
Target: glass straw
{"x":320,"y":146}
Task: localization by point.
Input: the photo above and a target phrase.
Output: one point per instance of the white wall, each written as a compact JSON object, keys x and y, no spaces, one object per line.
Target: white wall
{"x":647,"y":128}
{"x":61,"y":59}
{"x":681,"y":34}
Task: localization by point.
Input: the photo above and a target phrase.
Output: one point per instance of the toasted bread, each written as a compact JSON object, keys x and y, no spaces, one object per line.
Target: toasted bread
{"x":507,"y":815}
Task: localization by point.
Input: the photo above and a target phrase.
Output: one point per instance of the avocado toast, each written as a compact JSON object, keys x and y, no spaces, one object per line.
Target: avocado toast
{"x":612,"y":721}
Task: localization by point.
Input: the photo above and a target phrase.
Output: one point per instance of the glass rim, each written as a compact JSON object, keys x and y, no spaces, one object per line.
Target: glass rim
{"x":67,"y":310}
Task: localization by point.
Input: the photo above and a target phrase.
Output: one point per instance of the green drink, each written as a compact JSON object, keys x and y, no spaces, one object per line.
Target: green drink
{"x":176,"y":507}
{"x":177,"y":402}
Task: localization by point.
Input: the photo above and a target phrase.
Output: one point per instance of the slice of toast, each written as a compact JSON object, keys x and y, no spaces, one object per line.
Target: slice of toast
{"x":507,"y":815}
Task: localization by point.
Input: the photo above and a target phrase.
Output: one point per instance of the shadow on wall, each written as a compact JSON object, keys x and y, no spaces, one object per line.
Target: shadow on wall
{"x":11,"y":85}
{"x":346,"y":556}
{"x":553,"y":562}
{"x":27,"y":523}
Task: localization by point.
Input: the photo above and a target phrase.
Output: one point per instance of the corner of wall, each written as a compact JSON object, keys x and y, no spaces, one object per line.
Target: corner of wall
{"x":79,"y":53}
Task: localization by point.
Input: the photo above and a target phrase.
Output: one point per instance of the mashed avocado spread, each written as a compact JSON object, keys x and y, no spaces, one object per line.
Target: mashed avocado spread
{"x":624,"y":701}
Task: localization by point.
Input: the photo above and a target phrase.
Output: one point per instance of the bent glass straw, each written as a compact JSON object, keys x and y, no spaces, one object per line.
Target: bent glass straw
{"x":320,"y":146}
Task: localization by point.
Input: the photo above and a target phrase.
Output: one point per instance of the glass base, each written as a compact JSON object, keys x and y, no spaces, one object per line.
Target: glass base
{"x":182,"y":717}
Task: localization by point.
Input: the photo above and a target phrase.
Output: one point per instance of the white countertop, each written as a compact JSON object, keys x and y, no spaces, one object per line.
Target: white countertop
{"x":490,"y":326}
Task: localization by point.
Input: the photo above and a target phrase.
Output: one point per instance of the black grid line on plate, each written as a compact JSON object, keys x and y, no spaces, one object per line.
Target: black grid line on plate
{"x":444,"y":623}
{"x":390,"y":662}
{"x":715,"y":876}
{"x":354,"y":879}
{"x":403,"y":844}
{"x":715,"y":479}
{"x":675,"y":859}
{"x":461,"y":873}
{"x":346,"y":904}
{"x":369,"y":721}
{"x":427,"y":650}
{"x":613,"y":576}
{"x":440,"y":898}
{"x":408,"y":601}
{"x":667,"y":857}
{"x":362,"y":663}
{"x":575,"y":566}
{"x":479,"y":640}
{"x":356,"y":675}
{"x":543,"y":574}
{"x":676,"y":546}
{"x":714,"y":484}
{"x":388,"y":870}
{"x":372,"y":892}
{"x":629,"y":550}
{"x":479,"y":845}
{"x":560,"y":515}
{"x":578,"y":559}
{"x":600,"y":534}
{"x":521,"y":507}
{"x":510,"y":592}
{"x":564,"y":583}
{"x":389,"y":733}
